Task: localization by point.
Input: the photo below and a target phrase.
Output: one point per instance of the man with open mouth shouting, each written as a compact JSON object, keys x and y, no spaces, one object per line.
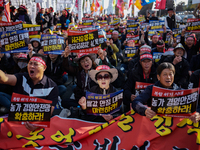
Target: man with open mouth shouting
{"x":34,"y":83}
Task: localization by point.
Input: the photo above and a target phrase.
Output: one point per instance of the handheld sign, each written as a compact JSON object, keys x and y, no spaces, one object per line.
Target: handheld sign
{"x":14,"y":41}
{"x":140,"y":87}
{"x":33,"y":30}
{"x":133,"y":37}
{"x":10,"y":26}
{"x":193,"y":25}
{"x":34,"y":110}
{"x":98,"y":104}
{"x":87,"y":21}
{"x":174,"y":103}
{"x":157,"y":56}
{"x":83,"y":41}
{"x":52,"y":44}
{"x":130,"y":51}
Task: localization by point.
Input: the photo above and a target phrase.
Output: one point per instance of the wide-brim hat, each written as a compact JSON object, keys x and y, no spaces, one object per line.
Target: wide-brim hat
{"x":82,"y":55}
{"x":103,"y":68}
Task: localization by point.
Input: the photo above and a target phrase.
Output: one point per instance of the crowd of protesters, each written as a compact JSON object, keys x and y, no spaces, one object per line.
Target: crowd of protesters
{"x":181,"y":59}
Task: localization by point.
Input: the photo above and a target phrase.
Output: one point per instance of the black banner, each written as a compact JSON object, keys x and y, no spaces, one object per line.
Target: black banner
{"x":174,"y":102}
{"x":83,"y":41}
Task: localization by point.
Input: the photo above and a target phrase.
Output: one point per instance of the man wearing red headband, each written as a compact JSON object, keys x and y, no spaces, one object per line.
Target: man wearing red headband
{"x":170,"y":20}
{"x":160,"y":47}
{"x":144,"y":71}
{"x":34,"y":83}
{"x":50,"y":15}
{"x":154,"y":38}
{"x":189,"y":45}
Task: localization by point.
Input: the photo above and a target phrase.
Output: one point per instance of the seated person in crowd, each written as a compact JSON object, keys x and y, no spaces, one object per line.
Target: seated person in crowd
{"x":55,"y":70}
{"x":190,"y":47}
{"x":165,"y":75}
{"x":136,"y":58}
{"x":36,"y":44}
{"x":103,"y":76}
{"x":181,"y":65}
{"x":144,"y":71}
{"x":154,"y":38}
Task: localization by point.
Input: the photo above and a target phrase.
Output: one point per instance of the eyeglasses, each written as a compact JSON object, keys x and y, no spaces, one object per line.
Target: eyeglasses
{"x":106,"y":77}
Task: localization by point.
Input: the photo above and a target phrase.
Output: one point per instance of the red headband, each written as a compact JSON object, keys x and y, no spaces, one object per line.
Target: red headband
{"x":103,"y":67}
{"x":82,"y":54}
{"x":146,"y":56}
{"x":22,"y":56}
{"x":190,"y":38}
{"x":155,"y":36}
{"x":38,"y":59}
{"x":145,"y":50}
{"x":132,"y":41}
{"x":161,"y":45}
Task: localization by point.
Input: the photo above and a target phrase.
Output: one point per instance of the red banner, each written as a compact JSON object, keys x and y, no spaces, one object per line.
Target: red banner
{"x":160,"y":4}
{"x":130,"y":131}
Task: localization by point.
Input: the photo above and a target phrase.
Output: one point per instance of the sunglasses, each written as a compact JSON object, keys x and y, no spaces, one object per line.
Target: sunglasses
{"x":106,"y":77}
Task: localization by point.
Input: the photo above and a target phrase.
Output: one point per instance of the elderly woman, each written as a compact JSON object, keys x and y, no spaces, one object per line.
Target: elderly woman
{"x":165,"y":75}
{"x":103,"y":76}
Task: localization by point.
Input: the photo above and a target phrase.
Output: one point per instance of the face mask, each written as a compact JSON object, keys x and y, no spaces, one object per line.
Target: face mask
{"x":21,"y":12}
{"x":22,"y":65}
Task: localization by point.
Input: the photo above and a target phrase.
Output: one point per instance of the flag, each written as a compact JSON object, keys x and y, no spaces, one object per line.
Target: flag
{"x":160,"y":4}
{"x":130,"y":3}
{"x":38,"y":7}
{"x":93,"y":6}
{"x":7,"y":10}
{"x":101,"y":9}
{"x":76,"y":4}
{"x":138,"y":4}
{"x":119,"y":4}
{"x":145,"y":2}
{"x":97,"y":4}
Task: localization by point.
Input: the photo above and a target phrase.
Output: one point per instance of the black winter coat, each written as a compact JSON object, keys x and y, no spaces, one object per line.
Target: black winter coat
{"x":136,"y":74}
{"x":181,"y":69}
{"x":55,"y":70}
{"x":26,"y":17}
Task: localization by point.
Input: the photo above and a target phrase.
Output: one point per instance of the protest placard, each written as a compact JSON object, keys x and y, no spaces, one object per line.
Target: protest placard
{"x":34,"y":30}
{"x":83,"y":41}
{"x":87,"y":21}
{"x":193,"y":25}
{"x":52,"y":44}
{"x":130,"y":51}
{"x":34,"y":110}
{"x":157,"y":56}
{"x":10,"y":26}
{"x":14,"y":41}
{"x":140,"y":87}
{"x":133,"y":37}
{"x":175,"y":103}
{"x":99,"y":104}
